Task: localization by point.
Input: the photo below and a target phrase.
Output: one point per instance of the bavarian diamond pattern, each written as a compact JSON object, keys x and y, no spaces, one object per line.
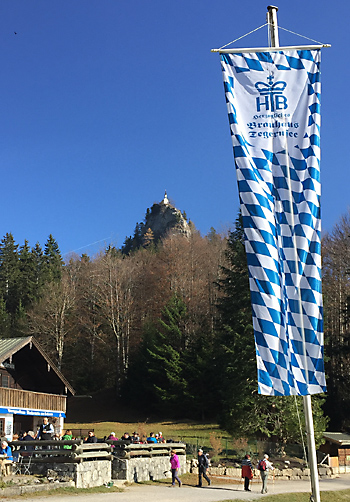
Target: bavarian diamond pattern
{"x":279,"y":186}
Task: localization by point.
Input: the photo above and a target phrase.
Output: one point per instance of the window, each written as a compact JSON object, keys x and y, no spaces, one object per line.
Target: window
{"x":5,"y":381}
{"x":2,"y":427}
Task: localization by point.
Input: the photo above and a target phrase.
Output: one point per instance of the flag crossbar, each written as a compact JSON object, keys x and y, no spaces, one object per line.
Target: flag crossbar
{"x":272,"y":49}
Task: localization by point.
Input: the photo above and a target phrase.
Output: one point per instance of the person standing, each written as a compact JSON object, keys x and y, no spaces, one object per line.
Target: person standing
{"x":46,"y":430}
{"x":175,"y":466}
{"x":264,"y":466}
{"x":203,"y":465}
{"x":247,"y":472}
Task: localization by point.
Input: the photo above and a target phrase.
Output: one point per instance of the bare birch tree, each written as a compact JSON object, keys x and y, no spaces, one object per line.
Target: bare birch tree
{"x":336,"y":293}
{"x":49,"y":320}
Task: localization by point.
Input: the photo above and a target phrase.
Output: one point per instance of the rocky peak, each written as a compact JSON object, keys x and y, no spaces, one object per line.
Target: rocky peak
{"x":163,"y":218}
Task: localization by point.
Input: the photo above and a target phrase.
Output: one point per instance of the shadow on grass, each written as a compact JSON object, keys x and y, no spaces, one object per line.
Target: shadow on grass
{"x":336,"y":496}
{"x":70,"y":490}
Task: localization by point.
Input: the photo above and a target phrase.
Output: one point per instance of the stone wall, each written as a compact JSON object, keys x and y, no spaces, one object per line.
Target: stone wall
{"x":93,"y":473}
{"x":278,"y":474}
{"x":84,"y":474}
{"x":145,"y":469}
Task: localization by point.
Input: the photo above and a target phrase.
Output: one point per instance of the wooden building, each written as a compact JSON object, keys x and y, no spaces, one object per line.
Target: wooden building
{"x":337,"y":446}
{"x":31,"y":387}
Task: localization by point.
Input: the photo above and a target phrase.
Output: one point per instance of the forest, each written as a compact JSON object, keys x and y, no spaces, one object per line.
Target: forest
{"x":167,"y":326}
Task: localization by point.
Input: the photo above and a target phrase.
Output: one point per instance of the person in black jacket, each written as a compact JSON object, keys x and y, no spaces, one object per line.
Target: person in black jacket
{"x":203,"y":465}
{"x":46,"y":430}
{"x":91,"y":438}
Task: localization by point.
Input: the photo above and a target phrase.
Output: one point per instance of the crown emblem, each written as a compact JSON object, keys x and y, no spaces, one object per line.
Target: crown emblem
{"x":271,"y":88}
{"x":271,"y":95}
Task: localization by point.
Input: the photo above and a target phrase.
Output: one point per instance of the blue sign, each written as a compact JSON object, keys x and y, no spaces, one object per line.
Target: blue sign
{"x":28,"y":411}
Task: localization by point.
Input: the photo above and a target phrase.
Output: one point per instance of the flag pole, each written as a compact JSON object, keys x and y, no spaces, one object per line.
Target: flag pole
{"x":273,"y":26}
{"x":315,"y":487}
{"x":309,"y":423}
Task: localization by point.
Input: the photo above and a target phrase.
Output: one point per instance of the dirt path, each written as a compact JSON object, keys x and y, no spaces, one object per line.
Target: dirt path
{"x":216,"y":493}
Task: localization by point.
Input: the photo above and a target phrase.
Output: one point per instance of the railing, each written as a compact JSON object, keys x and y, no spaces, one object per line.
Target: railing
{"x":76,"y":451}
{"x":27,"y":399}
{"x":56,"y":451}
{"x":125,"y":449}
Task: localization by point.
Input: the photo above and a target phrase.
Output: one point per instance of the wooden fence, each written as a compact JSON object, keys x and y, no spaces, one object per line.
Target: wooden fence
{"x":53,"y":451}
{"x":125,"y":449}
{"x":75,"y":450}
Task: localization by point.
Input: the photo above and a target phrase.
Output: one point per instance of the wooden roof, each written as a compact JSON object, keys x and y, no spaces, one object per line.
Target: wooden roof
{"x":9,"y":347}
{"x":339,"y":438}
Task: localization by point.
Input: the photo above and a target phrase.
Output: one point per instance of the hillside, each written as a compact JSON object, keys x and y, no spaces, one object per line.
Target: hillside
{"x":100,"y":407}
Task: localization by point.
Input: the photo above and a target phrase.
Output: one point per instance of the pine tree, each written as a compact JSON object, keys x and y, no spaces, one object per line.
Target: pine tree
{"x":164,"y":361}
{"x":39,"y":270}
{"x":9,"y":272}
{"x":200,"y":371}
{"x":27,"y":276}
{"x":245,"y":412}
{"x":53,"y":263}
{"x":236,"y":338}
{"x":5,"y":323}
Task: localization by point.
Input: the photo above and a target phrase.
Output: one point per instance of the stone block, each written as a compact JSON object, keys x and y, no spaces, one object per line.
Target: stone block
{"x":288,"y":473}
{"x":233,"y":472}
{"x":145,"y":468}
{"x":324,"y":470}
{"x":217,"y":471}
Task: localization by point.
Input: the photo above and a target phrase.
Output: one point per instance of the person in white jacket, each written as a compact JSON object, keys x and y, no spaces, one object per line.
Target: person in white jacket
{"x":264,"y":466}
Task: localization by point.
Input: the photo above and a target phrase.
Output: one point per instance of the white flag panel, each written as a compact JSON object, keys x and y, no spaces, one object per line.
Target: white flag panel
{"x":273,"y":101}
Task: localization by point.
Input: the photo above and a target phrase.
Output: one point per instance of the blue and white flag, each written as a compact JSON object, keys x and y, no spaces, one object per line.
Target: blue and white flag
{"x":273,"y":101}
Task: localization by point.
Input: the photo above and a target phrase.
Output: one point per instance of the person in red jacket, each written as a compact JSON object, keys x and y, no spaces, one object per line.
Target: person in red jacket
{"x":247,"y":472}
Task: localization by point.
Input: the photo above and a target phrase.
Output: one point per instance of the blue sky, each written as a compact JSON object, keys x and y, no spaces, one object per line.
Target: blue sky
{"x":104,"y":104}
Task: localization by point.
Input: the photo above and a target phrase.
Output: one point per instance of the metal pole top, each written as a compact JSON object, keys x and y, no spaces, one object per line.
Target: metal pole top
{"x":273,"y":26}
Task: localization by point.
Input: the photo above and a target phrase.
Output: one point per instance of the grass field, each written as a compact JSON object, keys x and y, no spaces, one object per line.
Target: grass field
{"x":105,"y":415}
{"x":189,"y":432}
{"x":340,"y":496}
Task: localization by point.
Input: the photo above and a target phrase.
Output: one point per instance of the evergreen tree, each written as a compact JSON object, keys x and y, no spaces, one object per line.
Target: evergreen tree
{"x":53,"y":263}
{"x":9,"y":272}
{"x":20,"y":322}
{"x":236,"y":338}
{"x":138,"y":383}
{"x":27,"y":276}
{"x":156,"y":374}
{"x":165,"y":363}
{"x":112,"y":251}
{"x":5,"y":324}
{"x":38,"y":261}
{"x":244,"y":412}
{"x":200,"y":371}
{"x":136,"y":241}
{"x":212,"y":235}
